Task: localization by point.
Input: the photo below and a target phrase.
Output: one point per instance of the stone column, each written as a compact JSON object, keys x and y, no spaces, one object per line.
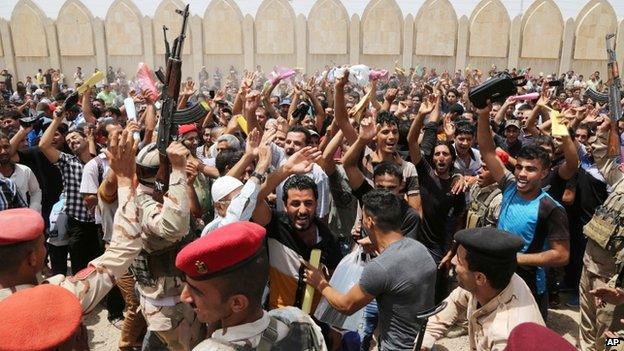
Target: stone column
{"x":249,"y":50}
{"x":567,"y":49}
{"x":99,"y":37}
{"x":301,"y":42}
{"x":196,"y":44}
{"x":148,"y":41}
{"x":354,"y":40}
{"x":462,"y":43}
{"x":408,"y":41}
{"x":53,"y":47}
{"x":7,"y":47}
{"x":514,"y":42}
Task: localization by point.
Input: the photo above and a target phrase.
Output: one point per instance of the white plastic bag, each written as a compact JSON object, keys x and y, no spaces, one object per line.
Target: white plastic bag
{"x":346,"y":275}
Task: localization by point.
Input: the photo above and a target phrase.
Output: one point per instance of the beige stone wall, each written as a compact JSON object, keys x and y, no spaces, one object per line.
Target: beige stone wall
{"x":275,"y":28}
{"x":123,"y":30}
{"x":328,"y":28}
{"x":489,"y":30}
{"x":542,"y":31}
{"x":382,"y":28}
{"x":74,"y":28}
{"x":431,"y":35}
{"x":223,"y":28}
{"x":436,"y":29}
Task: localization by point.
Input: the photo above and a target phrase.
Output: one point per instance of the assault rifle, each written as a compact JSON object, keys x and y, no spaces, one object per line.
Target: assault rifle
{"x":170,"y":117}
{"x":615,"y":108}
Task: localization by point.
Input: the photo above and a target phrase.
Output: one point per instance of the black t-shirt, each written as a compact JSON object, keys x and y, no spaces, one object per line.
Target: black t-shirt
{"x":282,"y":230}
{"x":411,"y":220}
{"x":590,"y":193}
{"x":554,"y":184}
{"x":438,"y":204}
{"x":47,"y":174}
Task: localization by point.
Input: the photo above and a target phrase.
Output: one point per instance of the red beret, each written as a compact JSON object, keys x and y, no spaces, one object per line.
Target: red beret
{"x":187,"y":128}
{"x":20,"y":225}
{"x":534,"y":337}
{"x":39,"y":318}
{"x":222,"y":250}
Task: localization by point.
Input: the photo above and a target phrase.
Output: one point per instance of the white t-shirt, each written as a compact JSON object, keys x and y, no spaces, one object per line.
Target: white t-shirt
{"x":27,"y":185}
{"x":91,"y":179}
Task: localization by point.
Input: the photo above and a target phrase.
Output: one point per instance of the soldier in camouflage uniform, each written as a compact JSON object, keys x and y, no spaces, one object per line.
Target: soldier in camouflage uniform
{"x":602,"y":261}
{"x":226,"y":273}
{"x":485,"y":200}
{"x":164,"y":231}
{"x":22,"y":249}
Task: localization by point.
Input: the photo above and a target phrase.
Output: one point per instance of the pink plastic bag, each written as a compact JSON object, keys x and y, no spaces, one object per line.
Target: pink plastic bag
{"x":281,"y":73}
{"x":146,"y":81}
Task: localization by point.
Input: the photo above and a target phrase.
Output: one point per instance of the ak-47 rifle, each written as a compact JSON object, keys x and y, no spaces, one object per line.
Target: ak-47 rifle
{"x":171,"y":117}
{"x":615,"y":86}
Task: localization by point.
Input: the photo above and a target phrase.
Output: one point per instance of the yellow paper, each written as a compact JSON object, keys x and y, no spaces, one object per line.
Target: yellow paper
{"x":557,"y":128}
{"x":315,"y":259}
{"x":93,"y":80}
{"x":242,"y":123}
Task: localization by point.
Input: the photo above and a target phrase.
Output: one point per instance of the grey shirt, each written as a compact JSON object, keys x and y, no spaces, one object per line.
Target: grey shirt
{"x":402,"y":278}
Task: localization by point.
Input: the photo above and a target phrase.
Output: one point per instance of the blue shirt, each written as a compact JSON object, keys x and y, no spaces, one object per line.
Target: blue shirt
{"x":536,"y":221}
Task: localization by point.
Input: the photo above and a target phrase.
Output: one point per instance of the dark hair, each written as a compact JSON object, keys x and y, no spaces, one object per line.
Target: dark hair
{"x":4,"y":136}
{"x":454,"y":91}
{"x":11,"y":256}
{"x":385,"y":207}
{"x":449,"y":145}
{"x":248,"y":280}
{"x":226,"y":159}
{"x":535,"y":152}
{"x":60,"y":96}
{"x":300,"y":129}
{"x":114,"y":111}
{"x":498,"y":274}
{"x":389,"y":168}
{"x":524,"y":107}
{"x":384,"y":117}
{"x":299,"y":182}
{"x":456,"y":108}
{"x":464,"y":127}
{"x":542,"y":140}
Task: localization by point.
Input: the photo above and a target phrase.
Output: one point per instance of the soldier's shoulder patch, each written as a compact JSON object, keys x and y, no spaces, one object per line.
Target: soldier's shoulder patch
{"x":84,"y":273}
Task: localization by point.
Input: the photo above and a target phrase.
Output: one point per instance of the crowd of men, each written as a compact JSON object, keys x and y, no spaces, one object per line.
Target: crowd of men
{"x":481,"y":210}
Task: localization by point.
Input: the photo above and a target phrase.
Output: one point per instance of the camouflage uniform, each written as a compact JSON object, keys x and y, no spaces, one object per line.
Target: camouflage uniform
{"x":484,"y":207}
{"x":599,"y":264}
{"x":91,"y":284}
{"x":163,"y":227}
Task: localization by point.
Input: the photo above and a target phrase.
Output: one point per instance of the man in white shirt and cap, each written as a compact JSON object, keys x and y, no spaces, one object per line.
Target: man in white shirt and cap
{"x":234,"y":201}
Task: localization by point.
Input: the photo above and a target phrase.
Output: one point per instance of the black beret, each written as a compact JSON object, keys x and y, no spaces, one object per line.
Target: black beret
{"x":491,"y":243}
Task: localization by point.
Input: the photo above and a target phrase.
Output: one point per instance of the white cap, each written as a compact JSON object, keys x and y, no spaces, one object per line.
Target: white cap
{"x":223,"y":186}
{"x":39,"y":91}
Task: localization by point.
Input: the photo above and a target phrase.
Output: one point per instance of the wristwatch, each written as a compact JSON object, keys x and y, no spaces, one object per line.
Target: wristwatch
{"x":260,"y":177}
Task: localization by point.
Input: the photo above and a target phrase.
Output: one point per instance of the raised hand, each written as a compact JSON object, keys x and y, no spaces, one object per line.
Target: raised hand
{"x":427,"y":105}
{"x":252,"y":101}
{"x":368,"y":128}
{"x":301,"y":162}
{"x":177,"y":154}
{"x":391,"y":94}
{"x":121,"y":154}
{"x":253,"y":142}
{"x":189,"y":88}
{"x":341,"y":82}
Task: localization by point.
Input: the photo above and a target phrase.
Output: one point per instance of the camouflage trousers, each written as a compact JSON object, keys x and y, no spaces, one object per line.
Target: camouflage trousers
{"x":596,"y":319}
{"x":177,"y":326}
